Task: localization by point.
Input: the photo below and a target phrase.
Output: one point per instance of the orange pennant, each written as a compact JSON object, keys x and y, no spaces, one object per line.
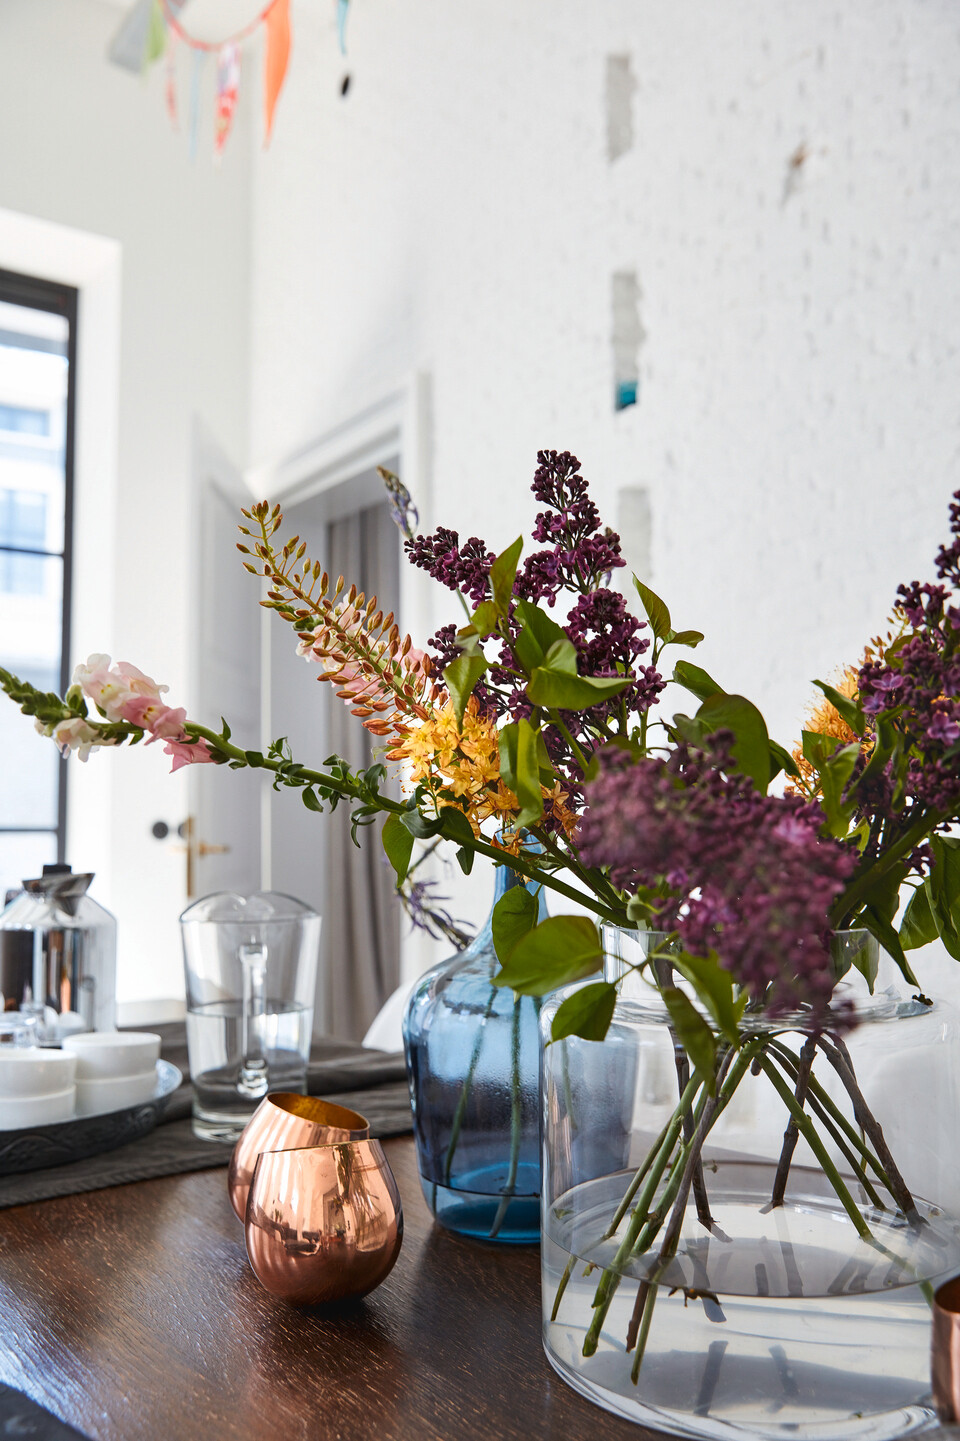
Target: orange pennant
{"x":277,"y":22}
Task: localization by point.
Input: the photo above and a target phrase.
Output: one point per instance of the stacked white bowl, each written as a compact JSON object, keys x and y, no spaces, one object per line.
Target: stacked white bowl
{"x":115,"y":1069}
{"x":36,"y":1086}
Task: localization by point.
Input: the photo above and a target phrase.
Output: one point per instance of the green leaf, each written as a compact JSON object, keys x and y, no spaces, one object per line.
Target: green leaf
{"x":692,"y":638}
{"x":311,"y":800}
{"x":878,"y":924}
{"x":919,"y":924}
{"x":225,"y":732}
{"x":587,"y":1013}
{"x":254,"y":759}
{"x":714,"y":986}
{"x":465,"y":859}
{"x":397,"y":841}
{"x":849,"y":710}
{"x":834,"y":768}
{"x":695,"y":680}
{"x":751,"y":748}
{"x":513,"y":916}
{"x":561,"y":949}
{"x":419,"y":826}
{"x":520,"y":768}
{"x":503,"y":573}
{"x":538,"y":633}
{"x":455,"y":826}
{"x":460,"y":677}
{"x":694,"y":1035}
{"x":781,"y":760}
{"x":484,"y":620}
{"x":657,"y":613}
{"x":558,"y":689}
{"x":944,"y":884}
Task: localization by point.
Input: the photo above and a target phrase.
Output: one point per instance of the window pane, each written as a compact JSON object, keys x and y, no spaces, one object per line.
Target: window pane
{"x":33,"y":427}
{"x":30,"y":621}
{"x":23,"y":856}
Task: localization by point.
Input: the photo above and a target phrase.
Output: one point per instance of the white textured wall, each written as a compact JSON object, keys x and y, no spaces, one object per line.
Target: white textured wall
{"x":89,"y":146}
{"x":798,"y":424}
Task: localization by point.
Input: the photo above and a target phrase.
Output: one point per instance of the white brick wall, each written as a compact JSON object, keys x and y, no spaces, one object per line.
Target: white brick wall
{"x":798,"y":424}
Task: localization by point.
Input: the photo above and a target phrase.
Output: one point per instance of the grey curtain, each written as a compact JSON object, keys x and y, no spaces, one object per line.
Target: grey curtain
{"x":362,"y":918}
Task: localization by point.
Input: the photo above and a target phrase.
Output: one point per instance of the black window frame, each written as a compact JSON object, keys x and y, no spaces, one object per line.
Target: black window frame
{"x":58,"y":299}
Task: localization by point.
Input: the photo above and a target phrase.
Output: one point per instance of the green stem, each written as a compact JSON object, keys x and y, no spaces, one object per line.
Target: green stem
{"x":461,"y":1110}
{"x":516,"y":1117}
{"x":808,"y":1131}
{"x":631,"y":1190}
{"x":847,"y":1140}
{"x":849,"y":902}
{"x":561,"y":727}
{"x":818,"y":1093}
{"x":383,"y":802}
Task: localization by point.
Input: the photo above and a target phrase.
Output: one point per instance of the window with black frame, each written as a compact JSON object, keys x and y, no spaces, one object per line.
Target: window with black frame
{"x":37,"y":383}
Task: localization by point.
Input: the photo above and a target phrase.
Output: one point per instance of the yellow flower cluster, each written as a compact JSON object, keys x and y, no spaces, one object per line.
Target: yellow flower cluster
{"x":464,"y":762}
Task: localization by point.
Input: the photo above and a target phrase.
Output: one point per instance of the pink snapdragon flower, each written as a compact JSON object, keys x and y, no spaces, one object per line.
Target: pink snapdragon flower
{"x":124,"y":693}
{"x":78,"y":735}
{"x":187,"y":753}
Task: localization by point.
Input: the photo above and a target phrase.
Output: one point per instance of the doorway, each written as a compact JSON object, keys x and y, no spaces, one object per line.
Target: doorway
{"x":349,"y":529}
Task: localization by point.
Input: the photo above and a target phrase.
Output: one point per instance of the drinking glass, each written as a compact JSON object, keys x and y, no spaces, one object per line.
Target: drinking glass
{"x":251,"y":970}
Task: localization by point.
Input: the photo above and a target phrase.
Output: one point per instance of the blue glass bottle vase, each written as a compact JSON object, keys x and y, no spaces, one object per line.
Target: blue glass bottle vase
{"x":473,"y":1064}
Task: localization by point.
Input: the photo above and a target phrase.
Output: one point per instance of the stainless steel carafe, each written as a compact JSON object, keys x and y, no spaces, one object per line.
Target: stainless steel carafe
{"x":58,"y":955}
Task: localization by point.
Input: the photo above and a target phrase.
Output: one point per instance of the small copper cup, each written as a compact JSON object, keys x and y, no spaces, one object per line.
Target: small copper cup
{"x":945,"y":1350}
{"x":285,"y":1121}
{"x":323,"y":1223}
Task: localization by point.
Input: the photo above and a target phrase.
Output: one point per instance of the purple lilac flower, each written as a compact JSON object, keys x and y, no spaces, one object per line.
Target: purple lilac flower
{"x":580,"y":555}
{"x":917,"y":685}
{"x":751,"y":878}
{"x":464,"y":568}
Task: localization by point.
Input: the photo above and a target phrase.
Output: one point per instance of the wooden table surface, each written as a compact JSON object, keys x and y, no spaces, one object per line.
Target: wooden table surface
{"x":132,"y":1313}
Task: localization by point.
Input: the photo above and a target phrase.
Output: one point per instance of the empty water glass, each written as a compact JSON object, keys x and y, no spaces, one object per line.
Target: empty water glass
{"x":251,"y":970}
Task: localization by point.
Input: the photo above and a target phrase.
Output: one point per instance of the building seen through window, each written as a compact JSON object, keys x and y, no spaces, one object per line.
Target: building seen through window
{"x":36,"y":347}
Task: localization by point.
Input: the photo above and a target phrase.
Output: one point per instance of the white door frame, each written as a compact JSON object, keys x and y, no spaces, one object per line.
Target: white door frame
{"x":397,"y":425}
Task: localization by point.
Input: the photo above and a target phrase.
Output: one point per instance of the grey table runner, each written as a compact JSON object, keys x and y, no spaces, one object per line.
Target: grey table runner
{"x":371,"y":1082}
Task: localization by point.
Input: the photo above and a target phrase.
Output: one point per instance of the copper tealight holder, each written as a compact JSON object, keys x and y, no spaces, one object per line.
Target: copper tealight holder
{"x":285,"y":1121}
{"x":945,"y":1351}
{"x":323,"y":1223}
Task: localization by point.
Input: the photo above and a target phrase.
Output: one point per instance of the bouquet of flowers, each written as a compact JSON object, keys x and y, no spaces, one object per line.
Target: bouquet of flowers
{"x":540,"y":714}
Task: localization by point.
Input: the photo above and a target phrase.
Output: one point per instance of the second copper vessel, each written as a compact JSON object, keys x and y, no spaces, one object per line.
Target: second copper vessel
{"x":323,"y":1223}
{"x":286,"y":1121}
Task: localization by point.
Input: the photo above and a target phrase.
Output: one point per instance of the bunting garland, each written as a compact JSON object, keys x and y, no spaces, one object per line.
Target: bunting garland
{"x":160,"y":24}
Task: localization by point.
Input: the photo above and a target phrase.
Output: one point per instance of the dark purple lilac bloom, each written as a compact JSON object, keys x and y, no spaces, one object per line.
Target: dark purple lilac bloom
{"x":464,"y":568}
{"x":580,"y":554}
{"x":916,"y":689}
{"x":748,"y":876}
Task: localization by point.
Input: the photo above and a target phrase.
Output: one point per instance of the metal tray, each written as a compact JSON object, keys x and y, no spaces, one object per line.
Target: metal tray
{"x":34,"y":1147}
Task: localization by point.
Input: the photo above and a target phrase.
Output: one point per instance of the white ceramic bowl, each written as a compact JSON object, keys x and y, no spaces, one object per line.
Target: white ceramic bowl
{"x":115,"y":1093}
{"x":30,"y":1071}
{"x":113,"y":1053}
{"x":19,"y":1111}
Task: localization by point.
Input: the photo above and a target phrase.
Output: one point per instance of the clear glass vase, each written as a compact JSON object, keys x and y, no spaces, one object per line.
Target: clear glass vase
{"x":473,"y":1064}
{"x":773,"y":1320}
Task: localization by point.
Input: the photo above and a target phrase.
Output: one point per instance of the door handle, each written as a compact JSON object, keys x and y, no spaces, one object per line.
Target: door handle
{"x":195,"y":849}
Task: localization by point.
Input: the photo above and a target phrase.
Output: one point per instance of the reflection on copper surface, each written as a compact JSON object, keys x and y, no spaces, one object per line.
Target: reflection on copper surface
{"x":285,"y":1121}
{"x":323,"y":1223}
{"x":945,"y":1350}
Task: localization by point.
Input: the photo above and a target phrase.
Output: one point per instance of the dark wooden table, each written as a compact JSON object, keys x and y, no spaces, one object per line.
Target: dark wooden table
{"x":132,"y":1313}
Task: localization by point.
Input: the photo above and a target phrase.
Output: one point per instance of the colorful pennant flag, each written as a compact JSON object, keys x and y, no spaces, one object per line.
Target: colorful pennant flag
{"x":276,"y":56}
{"x":228,"y":88}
